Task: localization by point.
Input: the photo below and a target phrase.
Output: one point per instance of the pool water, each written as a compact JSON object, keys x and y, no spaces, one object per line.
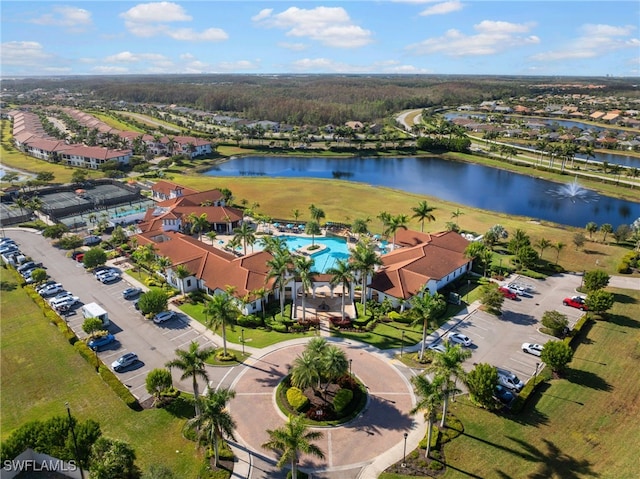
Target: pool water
{"x":335,"y":249}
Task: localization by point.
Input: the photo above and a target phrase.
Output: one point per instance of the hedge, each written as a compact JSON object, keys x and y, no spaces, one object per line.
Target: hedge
{"x":296,"y":398}
{"x":120,"y":389}
{"x":342,"y":399}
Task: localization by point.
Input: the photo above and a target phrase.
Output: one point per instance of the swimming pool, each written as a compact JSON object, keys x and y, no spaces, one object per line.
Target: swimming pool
{"x":334,"y":249}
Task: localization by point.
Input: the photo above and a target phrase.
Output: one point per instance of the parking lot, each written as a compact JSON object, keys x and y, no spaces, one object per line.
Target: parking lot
{"x":154,"y":344}
{"x":498,"y":340}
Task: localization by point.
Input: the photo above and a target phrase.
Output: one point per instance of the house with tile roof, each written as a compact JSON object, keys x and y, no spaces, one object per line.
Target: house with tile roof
{"x":425,"y":260}
{"x":211,"y":269}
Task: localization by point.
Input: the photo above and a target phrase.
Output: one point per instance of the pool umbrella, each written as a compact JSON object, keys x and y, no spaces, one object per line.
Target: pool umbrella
{"x":289,"y":226}
{"x":80,"y":191}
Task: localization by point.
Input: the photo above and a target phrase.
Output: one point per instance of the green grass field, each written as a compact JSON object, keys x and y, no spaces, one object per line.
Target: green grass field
{"x":584,"y":425}
{"x":41,"y":371}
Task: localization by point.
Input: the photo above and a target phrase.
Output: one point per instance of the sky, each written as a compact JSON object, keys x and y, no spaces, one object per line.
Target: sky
{"x":478,"y":37}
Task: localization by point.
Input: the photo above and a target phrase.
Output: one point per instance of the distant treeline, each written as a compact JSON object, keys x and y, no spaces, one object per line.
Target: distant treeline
{"x":314,"y":99}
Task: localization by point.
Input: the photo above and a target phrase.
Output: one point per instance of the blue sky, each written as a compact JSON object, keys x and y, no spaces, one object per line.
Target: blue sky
{"x":510,"y":37}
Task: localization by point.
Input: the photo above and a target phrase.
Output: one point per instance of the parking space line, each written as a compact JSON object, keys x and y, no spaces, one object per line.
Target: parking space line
{"x":142,"y":373}
{"x":191,"y":331}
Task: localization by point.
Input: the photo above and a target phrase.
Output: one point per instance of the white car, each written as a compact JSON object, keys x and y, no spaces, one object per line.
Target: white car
{"x":64,"y":301}
{"x":532,"y":348}
{"x":518,"y":289}
{"x":109,"y":277}
{"x":163,"y":316}
{"x":439,"y":348}
{"x":51,"y":289}
{"x":459,"y":338}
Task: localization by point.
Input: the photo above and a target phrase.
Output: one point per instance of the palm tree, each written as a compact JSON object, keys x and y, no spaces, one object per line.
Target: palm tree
{"x":211,"y":235}
{"x":605,"y":229}
{"x":591,"y":228}
{"x":396,"y":222}
{"x":312,"y":228}
{"x":291,"y":440}
{"x":559,"y":246}
{"x":215,"y":421}
{"x":360,"y":227}
{"x":456,"y":214}
{"x":245,"y":234}
{"x":220,"y":311}
{"x":334,"y":364}
{"x":192,"y":365}
{"x":296,"y":214}
{"x":542,"y":244}
{"x":426,"y":307}
{"x":423,"y":212}
{"x":198,"y":224}
{"x":341,"y":274}
{"x":364,"y":259}
{"x":305,"y":372}
{"x":181,"y":272}
{"x":303,"y":266}
{"x":163,"y":262}
{"x":448,"y":364}
{"x":486,"y":256}
{"x":430,"y":398}
{"x":316,"y":213}
{"x":279,"y":268}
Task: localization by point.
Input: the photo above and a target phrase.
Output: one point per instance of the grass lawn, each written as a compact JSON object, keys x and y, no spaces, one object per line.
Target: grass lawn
{"x":41,"y":371}
{"x":585,"y":425}
{"x":115,"y":123}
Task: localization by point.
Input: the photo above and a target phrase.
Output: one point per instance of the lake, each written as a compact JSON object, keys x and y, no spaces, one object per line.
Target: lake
{"x":468,"y":184}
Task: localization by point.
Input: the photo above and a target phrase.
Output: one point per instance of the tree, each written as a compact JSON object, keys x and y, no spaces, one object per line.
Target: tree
{"x":192,"y":365}
{"x":456,"y":214}
{"x":492,"y":298}
{"x":220,"y":311}
{"x":317,"y":214}
{"x":360,"y":226}
{"x":181,"y":273}
{"x":430,"y":397}
{"x":481,"y":382}
{"x":94,"y":257}
{"x":79,"y":176}
{"x":92,"y":325}
{"x":555,"y":321}
{"x":305,"y":371}
{"x":543,"y":244}
{"x":215,"y":422}
{"x":424,"y":212}
{"x":425,"y":308}
{"x":448,"y":365}
{"x":594,"y":280}
{"x":211,"y":235}
{"x":605,"y":229}
{"x":153,"y":301}
{"x":621,"y":233}
{"x":591,"y":228}
{"x":158,"y":380}
{"x":519,"y":240}
{"x":341,"y":274}
{"x":312,"y":228}
{"x":279,"y":269}
{"x":557,"y":354}
{"x":559,"y":246}
{"x":396,"y":223}
{"x":364,"y":259}
{"x":55,"y":231}
{"x":303,"y":266}
{"x":600,"y":301}
{"x":292,"y":440}
{"x":527,"y":256}
{"x":246,"y":235}
{"x":38,"y":275}
{"x":118,"y":236}
{"x":45,"y":176}
{"x":112,"y":458}
{"x":579,"y":240}
{"x":198,"y":224}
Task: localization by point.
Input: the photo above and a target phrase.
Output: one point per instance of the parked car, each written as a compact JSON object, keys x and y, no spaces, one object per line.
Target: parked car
{"x":124,"y":361}
{"x":6,"y":240}
{"x":91,"y":240}
{"x":163,"y":316}
{"x":439,"y":348}
{"x":518,"y":289}
{"x":28,"y":265}
{"x":459,"y":338}
{"x":65,"y":303}
{"x":109,"y":277}
{"x":45,"y":285}
{"x":131,"y":293}
{"x":10,"y":248}
{"x":503,"y":395}
{"x":532,"y":348}
{"x":507,"y":293}
{"x":576,"y":302}
{"x":101,"y":341}
{"x":51,"y":289}
{"x":509,"y":380}
{"x":106,"y":272}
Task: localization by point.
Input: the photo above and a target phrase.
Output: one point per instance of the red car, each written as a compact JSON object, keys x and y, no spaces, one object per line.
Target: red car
{"x":575,"y":302}
{"x":507,"y":293}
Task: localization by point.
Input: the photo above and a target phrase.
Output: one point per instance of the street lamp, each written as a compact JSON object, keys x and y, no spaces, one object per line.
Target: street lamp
{"x":75,"y":442}
{"x":242,"y":340}
{"x":404,"y":454}
{"x":535,"y":374}
{"x":402,"y":345}
{"x":350,"y":362}
{"x":468,"y":288}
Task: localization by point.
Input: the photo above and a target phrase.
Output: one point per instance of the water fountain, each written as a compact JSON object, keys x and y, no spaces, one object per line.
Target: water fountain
{"x":574,"y":192}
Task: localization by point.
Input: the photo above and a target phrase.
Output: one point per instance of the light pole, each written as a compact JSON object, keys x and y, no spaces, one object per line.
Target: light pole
{"x":242,"y":340}
{"x":535,"y":374}
{"x":404,"y":454}
{"x":350,"y":362}
{"x":75,"y":442}
{"x":468,"y":288}
{"x":402,"y":344}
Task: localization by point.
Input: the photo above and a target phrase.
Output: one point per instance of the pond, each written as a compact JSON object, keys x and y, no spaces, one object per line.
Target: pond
{"x":468,"y":184}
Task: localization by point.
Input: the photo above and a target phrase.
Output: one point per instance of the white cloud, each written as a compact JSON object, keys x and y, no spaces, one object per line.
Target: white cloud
{"x":595,"y":41}
{"x":240,"y":65}
{"x":492,"y":37}
{"x":109,"y":70}
{"x":296,"y":47}
{"x":72,"y":18}
{"x":326,"y":65}
{"x":442,"y":8}
{"x":23,"y":54}
{"x":330,"y":26}
{"x":151,"y":19}
{"x":148,"y":62}
{"x":128,"y":57}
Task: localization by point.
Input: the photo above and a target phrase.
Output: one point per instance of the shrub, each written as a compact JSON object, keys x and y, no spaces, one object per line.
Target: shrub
{"x":297,"y":399}
{"x":87,"y":353}
{"x":249,"y":321}
{"x":279,"y":327}
{"x":119,"y":388}
{"x":342,"y":399}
